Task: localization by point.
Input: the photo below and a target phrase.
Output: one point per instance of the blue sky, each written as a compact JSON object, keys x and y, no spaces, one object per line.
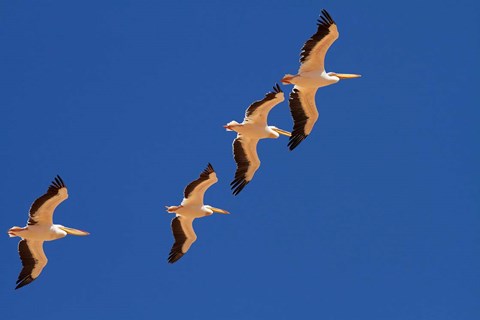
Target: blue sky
{"x":374,"y":216}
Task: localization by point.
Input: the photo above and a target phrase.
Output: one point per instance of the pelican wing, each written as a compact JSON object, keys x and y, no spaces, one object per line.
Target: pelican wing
{"x":33,"y":261}
{"x":312,"y":57}
{"x":195,"y":190}
{"x":258,"y":111}
{"x":42,"y":209}
{"x":304,"y":113}
{"x":182,"y":229}
{"x":246,"y":157}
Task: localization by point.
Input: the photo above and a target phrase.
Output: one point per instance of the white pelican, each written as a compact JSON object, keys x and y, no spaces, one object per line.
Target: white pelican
{"x":40,"y":228}
{"x":191,"y":207}
{"x":253,"y":128}
{"x":310,"y":77}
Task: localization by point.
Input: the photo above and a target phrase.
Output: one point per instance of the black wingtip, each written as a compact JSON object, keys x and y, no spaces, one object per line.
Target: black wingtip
{"x":325,"y":18}
{"x":174,"y":257}
{"x":326,"y":14}
{"x":272,"y":94}
{"x":61,"y":180}
{"x":23,"y":282}
{"x":294,"y":141}
{"x":238,"y":185}
{"x":276,"y":88}
{"x":58,"y":182}
{"x":209,"y":169}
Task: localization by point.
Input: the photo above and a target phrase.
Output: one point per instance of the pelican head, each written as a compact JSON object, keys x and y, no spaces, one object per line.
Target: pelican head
{"x":74,"y":232}
{"x":217,"y":210}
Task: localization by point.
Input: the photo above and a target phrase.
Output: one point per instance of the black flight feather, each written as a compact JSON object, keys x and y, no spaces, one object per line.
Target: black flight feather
{"x":52,"y":191}
{"x":323,"y":24}
{"x":203,"y":177}
{"x":240,"y":156}
{"x":176,"y":252}
{"x":28,"y":263}
{"x":299,"y":120}
{"x":268,"y":96}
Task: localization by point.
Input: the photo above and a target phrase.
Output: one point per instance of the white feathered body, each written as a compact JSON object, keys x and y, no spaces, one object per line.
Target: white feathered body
{"x":193,"y":210}
{"x":252,"y":130}
{"x":313,"y":79}
{"x":39,"y":232}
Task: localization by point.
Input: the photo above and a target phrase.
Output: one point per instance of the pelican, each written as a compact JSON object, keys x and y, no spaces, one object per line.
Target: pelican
{"x":40,"y":228}
{"x":253,"y":128}
{"x":310,"y":77}
{"x":191,"y":207}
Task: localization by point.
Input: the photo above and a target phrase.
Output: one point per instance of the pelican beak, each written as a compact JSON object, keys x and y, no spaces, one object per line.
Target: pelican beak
{"x":219,"y":210}
{"x":347,"y":75}
{"x":74,"y":232}
{"x":280,"y":131}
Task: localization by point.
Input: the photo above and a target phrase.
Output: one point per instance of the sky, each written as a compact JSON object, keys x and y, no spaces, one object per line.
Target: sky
{"x":374,"y":216}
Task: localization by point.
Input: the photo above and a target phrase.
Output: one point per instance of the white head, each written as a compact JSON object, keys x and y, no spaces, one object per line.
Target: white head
{"x":272,"y":133}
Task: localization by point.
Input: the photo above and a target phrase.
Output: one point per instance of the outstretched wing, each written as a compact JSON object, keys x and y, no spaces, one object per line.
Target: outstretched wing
{"x":246,"y":157}
{"x":42,"y":209}
{"x":304,"y":113}
{"x":312,"y":56}
{"x":258,"y":111}
{"x":33,"y":261}
{"x":182,"y":229}
{"x":195,"y":190}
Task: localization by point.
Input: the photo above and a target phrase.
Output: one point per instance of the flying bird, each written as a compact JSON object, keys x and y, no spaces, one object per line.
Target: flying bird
{"x":40,"y":228}
{"x":310,"y":77}
{"x":191,"y":207}
{"x":253,"y":128}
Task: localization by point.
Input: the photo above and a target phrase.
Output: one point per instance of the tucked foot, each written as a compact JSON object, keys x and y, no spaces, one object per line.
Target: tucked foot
{"x":287,"y":79}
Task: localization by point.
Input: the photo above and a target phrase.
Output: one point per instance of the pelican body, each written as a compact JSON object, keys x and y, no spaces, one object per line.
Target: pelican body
{"x":310,"y":77}
{"x":313,"y":79}
{"x":40,"y":228}
{"x":253,"y":128}
{"x":192,"y":207}
{"x":39,"y":232}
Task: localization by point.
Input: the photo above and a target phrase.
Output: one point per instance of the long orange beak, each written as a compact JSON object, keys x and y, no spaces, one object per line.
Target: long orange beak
{"x":74,"y":232}
{"x":347,"y":75}
{"x":280,"y":131}
{"x":219,"y":210}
